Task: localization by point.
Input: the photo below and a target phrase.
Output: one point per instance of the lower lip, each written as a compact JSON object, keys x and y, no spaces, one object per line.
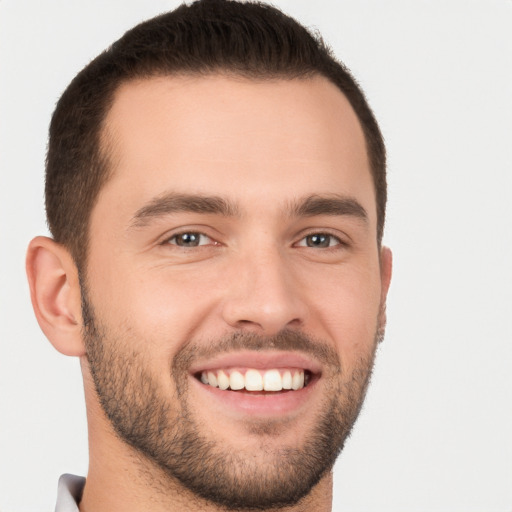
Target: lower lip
{"x":260,"y":404}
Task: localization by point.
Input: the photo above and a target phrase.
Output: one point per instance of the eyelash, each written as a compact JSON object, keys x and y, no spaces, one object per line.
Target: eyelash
{"x":329,"y":236}
{"x":168,"y":241}
{"x":339,"y":243}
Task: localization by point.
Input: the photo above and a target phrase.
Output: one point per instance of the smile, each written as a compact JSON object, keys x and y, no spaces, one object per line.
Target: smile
{"x":251,"y":379}
{"x":261,"y":384}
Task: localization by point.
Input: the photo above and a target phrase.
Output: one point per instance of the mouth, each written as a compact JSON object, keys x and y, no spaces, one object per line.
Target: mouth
{"x":259,"y":383}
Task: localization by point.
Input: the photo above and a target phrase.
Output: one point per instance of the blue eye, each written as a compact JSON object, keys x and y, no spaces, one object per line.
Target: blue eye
{"x":189,"y":239}
{"x":319,"y":241}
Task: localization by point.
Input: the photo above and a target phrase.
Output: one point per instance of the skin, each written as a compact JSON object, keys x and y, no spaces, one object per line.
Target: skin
{"x":261,"y":146}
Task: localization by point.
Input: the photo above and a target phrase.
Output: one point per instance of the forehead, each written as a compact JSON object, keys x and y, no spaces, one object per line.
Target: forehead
{"x":263,"y":140}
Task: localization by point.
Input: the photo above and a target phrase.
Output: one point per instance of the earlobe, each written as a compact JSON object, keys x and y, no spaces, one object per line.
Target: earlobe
{"x":55,"y":294}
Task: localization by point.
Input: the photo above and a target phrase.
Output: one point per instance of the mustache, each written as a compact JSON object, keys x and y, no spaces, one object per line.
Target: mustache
{"x":285,"y":340}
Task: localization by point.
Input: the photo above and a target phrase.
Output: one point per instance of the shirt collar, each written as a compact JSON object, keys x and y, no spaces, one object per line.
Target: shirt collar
{"x":69,"y":493}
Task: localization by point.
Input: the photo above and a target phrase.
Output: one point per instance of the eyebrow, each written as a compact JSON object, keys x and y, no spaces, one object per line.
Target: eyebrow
{"x":174,"y":203}
{"x":310,"y":206}
{"x":328,"y":205}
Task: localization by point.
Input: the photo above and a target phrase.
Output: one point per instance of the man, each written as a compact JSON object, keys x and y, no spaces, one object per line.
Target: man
{"x":216,"y":192}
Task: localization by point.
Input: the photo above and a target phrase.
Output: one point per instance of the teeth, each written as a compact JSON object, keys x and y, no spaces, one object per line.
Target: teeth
{"x":212,"y":379}
{"x":236,"y":381}
{"x":272,"y":381}
{"x":298,"y":380}
{"x":287,"y":380}
{"x":223,"y":380}
{"x":255,"y":380}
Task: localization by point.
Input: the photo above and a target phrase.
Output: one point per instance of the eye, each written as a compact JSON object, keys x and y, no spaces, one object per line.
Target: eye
{"x":189,"y":239}
{"x":319,"y":240}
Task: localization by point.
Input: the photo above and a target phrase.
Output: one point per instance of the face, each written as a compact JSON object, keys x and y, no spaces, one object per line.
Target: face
{"x":234,"y":288}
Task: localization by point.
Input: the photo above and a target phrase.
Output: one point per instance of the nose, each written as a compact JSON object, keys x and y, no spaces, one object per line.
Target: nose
{"x":263,"y":295}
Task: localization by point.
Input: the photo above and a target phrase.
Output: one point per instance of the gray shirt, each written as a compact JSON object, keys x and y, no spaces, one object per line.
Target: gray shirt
{"x":69,"y":493}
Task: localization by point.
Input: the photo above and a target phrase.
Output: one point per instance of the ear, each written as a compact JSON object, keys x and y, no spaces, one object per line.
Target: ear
{"x":386,"y":267}
{"x":55,"y":293}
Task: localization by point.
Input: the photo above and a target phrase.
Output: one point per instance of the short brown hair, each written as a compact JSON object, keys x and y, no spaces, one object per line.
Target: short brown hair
{"x":252,"y":40}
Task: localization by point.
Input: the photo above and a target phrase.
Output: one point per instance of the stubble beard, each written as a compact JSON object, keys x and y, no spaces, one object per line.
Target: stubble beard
{"x":165,"y":432}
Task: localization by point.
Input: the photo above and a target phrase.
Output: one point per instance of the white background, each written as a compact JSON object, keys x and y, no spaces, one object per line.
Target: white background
{"x":436,"y":432}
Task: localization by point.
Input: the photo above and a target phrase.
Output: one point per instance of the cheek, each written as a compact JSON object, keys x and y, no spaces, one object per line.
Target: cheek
{"x":347,"y":309}
{"x":161,"y":308}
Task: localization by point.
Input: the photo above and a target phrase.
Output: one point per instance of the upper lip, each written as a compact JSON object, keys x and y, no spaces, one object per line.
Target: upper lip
{"x":259,"y":360}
